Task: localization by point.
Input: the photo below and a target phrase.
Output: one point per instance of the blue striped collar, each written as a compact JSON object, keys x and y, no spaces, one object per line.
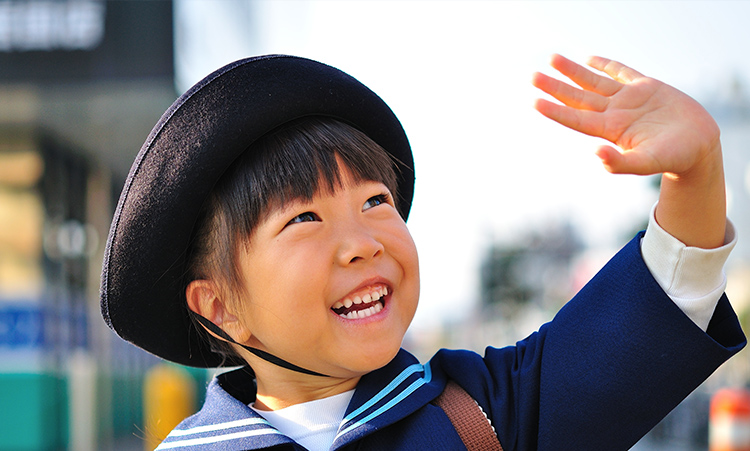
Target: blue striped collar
{"x":226,"y":422}
{"x":391,"y":395}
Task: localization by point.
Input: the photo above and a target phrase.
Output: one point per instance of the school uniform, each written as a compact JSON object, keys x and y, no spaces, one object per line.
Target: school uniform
{"x":612,"y":363}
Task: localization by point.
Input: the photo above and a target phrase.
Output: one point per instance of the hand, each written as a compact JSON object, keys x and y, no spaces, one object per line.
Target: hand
{"x":659,"y":128}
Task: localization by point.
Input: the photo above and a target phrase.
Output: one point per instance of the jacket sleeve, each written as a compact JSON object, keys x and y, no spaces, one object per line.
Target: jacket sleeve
{"x":611,"y":364}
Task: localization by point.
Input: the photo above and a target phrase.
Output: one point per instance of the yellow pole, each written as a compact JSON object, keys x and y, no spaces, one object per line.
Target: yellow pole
{"x":168,"y":398}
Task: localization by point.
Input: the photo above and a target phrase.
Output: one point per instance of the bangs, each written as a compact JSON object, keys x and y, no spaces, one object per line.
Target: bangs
{"x":296,"y":162}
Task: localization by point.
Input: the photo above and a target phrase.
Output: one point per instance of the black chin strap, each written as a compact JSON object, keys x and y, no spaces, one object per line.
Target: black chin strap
{"x":262,"y":354}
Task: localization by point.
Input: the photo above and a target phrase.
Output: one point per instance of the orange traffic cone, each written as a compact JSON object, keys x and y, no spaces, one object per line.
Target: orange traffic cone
{"x":729,"y":421}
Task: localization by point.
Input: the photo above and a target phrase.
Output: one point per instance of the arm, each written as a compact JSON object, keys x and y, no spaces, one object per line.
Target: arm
{"x":611,"y":364}
{"x":660,"y":131}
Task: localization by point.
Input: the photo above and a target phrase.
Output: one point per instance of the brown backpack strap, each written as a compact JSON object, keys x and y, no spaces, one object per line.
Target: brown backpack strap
{"x":468,"y":418}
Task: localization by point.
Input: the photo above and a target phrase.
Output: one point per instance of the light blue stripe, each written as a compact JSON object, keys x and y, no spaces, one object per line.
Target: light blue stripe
{"x":387,"y":406}
{"x":385,"y":391}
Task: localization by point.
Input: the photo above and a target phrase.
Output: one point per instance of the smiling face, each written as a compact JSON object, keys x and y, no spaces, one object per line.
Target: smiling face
{"x":331,"y":284}
{"x":301,"y":253}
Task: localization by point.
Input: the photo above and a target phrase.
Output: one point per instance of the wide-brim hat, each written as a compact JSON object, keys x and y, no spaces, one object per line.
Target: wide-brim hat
{"x":192,"y":145}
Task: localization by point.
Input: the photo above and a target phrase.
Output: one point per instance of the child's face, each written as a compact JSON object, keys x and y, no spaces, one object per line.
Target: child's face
{"x":307,"y":267}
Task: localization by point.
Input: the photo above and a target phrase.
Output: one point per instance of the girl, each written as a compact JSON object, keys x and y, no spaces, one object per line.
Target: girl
{"x":262,"y":226}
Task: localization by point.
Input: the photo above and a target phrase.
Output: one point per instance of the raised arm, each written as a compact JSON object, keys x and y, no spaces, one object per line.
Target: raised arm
{"x":659,"y":129}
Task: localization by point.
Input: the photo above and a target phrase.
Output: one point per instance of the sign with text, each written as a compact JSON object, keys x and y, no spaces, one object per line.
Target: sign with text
{"x":48,"y":41}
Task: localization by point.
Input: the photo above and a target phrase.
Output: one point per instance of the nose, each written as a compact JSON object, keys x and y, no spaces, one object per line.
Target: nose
{"x":357,"y":244}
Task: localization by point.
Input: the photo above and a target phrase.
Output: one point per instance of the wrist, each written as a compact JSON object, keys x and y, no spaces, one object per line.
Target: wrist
{"x":692,"y":204}
{"x":704,"y":171}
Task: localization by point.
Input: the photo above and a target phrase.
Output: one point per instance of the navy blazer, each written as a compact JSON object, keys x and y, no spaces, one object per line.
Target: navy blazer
{"x":612,"y":363}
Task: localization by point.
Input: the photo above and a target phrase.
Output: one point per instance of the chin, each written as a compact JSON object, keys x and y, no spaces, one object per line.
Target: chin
{"x":374,"y":360}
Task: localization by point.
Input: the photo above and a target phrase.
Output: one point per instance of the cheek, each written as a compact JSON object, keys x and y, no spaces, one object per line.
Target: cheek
{"x":406,"y":252}
{"x":407,"y":257}
{"x":278,"y":292}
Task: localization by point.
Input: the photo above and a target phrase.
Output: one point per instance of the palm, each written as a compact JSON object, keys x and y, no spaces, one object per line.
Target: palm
{"x":659,"y":128}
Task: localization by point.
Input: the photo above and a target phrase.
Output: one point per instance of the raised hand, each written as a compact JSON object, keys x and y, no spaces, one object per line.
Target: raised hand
{"x":659,"y":129}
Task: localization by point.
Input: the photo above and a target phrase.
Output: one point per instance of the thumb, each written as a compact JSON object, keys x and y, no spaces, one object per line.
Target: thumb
{"x":626,"y":162}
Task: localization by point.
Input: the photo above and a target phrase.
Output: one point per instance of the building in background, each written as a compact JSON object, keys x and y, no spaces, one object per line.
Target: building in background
{"x":81,"y":84}
{"x":730,"y":106}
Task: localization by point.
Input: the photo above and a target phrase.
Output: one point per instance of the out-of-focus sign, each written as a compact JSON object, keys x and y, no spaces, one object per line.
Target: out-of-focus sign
{"x":51,"y":25}
{"x":22,"y":326}
{"x":64,"y":40}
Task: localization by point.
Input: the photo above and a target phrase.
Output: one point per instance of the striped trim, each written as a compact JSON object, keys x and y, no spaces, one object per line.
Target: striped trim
{"x":218,"y":426}
{"x":426,"y":378}
{"x":266,"y":430}
{"x":217,"y":438}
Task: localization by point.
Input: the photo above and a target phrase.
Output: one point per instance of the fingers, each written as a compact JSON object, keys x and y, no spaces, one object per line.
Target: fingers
{"x":569,"y":95}
{"x":627,"y":162}
{"x":611,"y":159}
{"x":596,"y":89}
{"x":584,"y":78}
{"x":587,"y":122}
{"x":596,"y":83}
{"x":617,"y":71}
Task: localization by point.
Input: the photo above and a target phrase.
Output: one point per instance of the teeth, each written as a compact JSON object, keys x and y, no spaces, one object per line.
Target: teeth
{"x":367,"y":298}
{"x":363,"y":313}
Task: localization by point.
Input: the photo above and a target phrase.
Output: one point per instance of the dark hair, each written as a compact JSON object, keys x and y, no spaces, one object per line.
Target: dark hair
{"x":295,"y":161}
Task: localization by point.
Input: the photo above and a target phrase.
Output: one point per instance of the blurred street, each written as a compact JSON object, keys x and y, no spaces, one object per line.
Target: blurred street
{"x":649,"y":445}
{"x":82,"y":82}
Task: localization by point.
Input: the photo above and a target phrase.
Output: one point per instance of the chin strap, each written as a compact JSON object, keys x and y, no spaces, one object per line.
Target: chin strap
{"x":262,"y":354}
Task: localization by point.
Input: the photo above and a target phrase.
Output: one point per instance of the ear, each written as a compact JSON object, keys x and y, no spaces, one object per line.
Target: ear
{"x":203,"y":298}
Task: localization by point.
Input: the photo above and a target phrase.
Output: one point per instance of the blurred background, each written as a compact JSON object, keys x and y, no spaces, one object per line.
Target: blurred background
{"x":512,"y":213}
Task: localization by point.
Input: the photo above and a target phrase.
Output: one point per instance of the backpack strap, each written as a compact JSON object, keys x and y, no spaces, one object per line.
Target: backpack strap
{"x":468,"y":418}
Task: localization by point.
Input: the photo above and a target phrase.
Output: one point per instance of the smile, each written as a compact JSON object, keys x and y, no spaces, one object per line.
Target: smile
{"x":362,"y":306}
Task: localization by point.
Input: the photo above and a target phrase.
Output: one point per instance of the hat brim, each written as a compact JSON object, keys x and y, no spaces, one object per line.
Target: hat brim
{"x":192,"y":145}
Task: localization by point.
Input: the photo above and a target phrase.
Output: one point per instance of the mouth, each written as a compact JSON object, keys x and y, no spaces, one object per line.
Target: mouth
{"x":363,"y":304}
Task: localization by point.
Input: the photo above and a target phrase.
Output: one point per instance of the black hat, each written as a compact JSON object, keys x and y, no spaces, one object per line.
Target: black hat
{"x":194,"y":142}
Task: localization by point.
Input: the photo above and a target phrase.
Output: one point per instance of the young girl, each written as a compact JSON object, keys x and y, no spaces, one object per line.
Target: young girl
{"x":262,"y":225}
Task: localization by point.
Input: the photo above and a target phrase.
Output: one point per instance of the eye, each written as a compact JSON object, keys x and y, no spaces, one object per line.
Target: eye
{"x":307,"y":216}
{"x":374,"y":201}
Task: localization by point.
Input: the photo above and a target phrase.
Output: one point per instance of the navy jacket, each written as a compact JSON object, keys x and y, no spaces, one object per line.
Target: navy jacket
{"x":612,"y":363}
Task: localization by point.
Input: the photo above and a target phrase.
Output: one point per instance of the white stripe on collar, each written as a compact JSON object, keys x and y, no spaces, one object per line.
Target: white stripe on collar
{"x":216,"y":438}
{"x":218,"y":426}
{"x":265,"y":429}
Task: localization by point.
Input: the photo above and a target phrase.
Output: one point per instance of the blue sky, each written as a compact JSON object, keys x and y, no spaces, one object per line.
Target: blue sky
{"x":457,"y":75}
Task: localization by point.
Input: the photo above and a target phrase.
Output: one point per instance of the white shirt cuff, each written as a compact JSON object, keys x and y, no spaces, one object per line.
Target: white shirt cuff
{"x":692,"y":277}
